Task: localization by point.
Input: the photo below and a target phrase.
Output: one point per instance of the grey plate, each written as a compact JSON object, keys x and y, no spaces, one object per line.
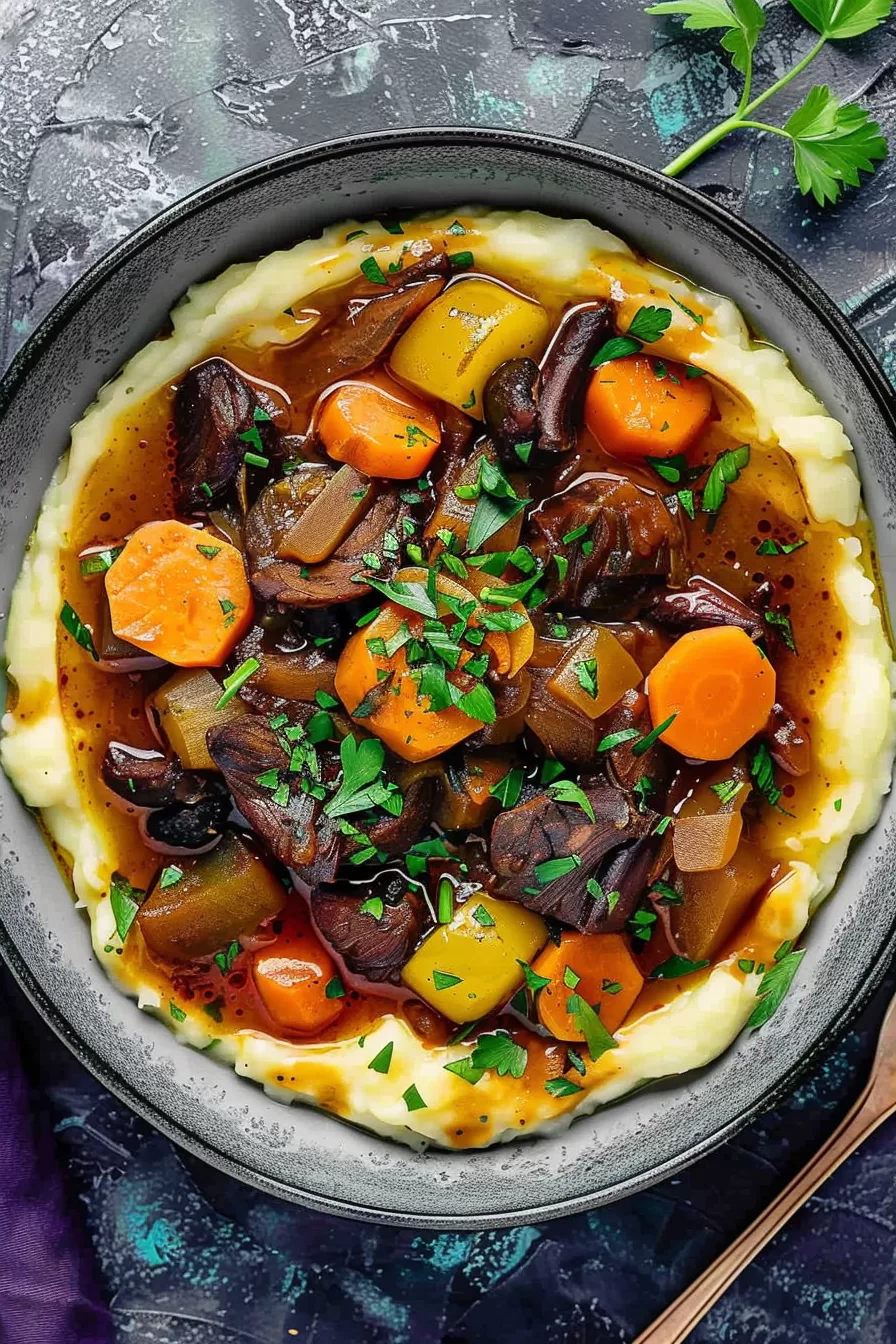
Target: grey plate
{"x":305,"y":1155}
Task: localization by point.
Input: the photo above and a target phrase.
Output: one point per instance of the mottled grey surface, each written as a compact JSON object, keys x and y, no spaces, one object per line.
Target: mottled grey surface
{"x":110,"y":111}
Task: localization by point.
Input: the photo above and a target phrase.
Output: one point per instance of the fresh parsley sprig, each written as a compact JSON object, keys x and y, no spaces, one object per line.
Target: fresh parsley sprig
{"x":832,"y":141}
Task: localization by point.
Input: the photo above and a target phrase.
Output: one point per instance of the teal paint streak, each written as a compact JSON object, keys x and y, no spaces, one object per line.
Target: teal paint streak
{"x":483,"y":108}
{"x":445,"y":1252}
{"x":682,"y":92}
{"x":497,"y":1254}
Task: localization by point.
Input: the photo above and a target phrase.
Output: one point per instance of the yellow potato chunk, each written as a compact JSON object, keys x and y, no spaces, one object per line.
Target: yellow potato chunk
{"x":595,"y":674}
{"x":460,"y":338}
{"x":469,"y":967}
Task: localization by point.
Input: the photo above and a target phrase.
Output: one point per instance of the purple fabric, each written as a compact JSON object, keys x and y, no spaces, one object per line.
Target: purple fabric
{"x":48,"y":1292}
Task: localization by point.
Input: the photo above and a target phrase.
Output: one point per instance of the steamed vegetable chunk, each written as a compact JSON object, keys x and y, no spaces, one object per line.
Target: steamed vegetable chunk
{"x":179,"y":594}
{"x":639,"y":407}
{"x":218,"y":898}
{"x":381,"y":430}
{"x":455,"y":344}
{"x":595,"y":673}
{"x":596,"y":967}
{"x":469,"y":967}
{"x":187,"y":706}
{"x":298,"y":984}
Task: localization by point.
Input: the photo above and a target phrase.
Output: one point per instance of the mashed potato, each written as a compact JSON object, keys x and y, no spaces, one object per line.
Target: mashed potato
{"x":853,"y":735}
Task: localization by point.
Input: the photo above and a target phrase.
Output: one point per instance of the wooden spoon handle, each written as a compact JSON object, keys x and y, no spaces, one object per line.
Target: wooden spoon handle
{"x":678,"y":1320}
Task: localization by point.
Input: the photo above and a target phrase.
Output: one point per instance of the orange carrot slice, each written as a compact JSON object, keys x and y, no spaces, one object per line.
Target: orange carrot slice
{"x":717,"y":688}
{"x":597,"y":966}
{"x":633,"y":412}
{"x":292,"y":982}
{"x":180,"y":594}
{"x":382,"y":431}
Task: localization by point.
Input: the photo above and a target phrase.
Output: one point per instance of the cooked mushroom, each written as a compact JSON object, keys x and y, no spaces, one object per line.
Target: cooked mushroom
{"x":634,"y":543}
{"x":213,"y":406}
{"x":363,"y":332}
{"x":374,"y":930}
{"x":700,"y":605}
{"x":543,"y":829}
{"x":564,"y":374}
{"x":274,"y":515}
{"x":510,"y":402}
{"x":788,"y":742}
{"x":142,"y":777}
{"x":188,"y":826}
{"x":255,"y":764}
{"x":633,"y":713}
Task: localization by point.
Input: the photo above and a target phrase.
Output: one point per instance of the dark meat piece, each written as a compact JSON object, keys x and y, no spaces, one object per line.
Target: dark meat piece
{"x":633,"y":711}
{"x":186,"y":826}
{"x":278,"y":507}
{"x":142,"y":777}
{"x":564,"y":732}
{"x":395,"y":835}
{"x":375,"y":948}
{"x":246,"y":748}
{"x":213,"y":406}
{"x":542,"y":829}
{"x":457,"y":431}
{"x":788,"y":742}
{"x":564,"y":374}
{"x":700,"y":605}
{"x":362,"y":334}
{"x":510,"y":401}
{"x":636,"y":543}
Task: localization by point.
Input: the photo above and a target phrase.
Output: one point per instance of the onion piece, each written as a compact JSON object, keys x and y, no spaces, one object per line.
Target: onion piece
{"x":595,"y":673}
{"x":329,"y":518}
{"x":185,"y":705}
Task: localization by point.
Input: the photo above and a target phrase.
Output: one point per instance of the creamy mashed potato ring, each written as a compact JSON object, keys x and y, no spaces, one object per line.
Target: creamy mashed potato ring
{"x":853,"y":733}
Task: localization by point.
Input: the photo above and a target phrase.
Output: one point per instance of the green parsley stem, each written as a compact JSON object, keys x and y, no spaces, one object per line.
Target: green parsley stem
{"x":740,"y":119}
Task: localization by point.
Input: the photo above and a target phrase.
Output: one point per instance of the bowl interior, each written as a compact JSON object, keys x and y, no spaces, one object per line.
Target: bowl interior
{"x":303,"y":1154}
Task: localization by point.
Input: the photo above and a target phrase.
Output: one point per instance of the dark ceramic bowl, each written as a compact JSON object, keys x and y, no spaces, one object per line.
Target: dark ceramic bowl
{"x":302,"y":1154}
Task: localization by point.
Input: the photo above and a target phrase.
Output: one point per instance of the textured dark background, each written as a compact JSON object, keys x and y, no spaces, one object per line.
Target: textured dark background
{"x":109,"y":112}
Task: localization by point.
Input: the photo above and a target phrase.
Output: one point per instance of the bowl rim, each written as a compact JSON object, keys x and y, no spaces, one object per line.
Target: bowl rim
{"x":859,"y":355}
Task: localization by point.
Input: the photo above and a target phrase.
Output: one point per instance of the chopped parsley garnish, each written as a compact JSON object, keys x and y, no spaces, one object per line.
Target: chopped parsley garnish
{"x":746,"y":966}
{"x":170,"y":876}
{"x":523,"y":451}
{"x":641,"y":789}
{"x":460,"y":260}
{"x":335,"y":989}
{"x":586,"y":1020}
{"x":562,"y":1087}
{"x":686,"y":500}
{"x":497,"y":1050}
{"x":209,"y":551}
{"x":372,"y":906}
{"x":616,"y":739}
{"x":247,"y":668}
{"x":507,"y":790}
{"x":482,"y":916}
{"x":695,"y":317}
{"x":79,"y":632}
{"x":534,"y":981}
{"x":586,"y":675}
{"x":562,"y":566}
{"x":666,"y":893}
{"x":413,"y":596}
{"x":356,"y":233}
{"x":177,"y":1013}
{"x":838,"y":803}
{"x":617,"y":347}
{"x":780,"y":623}
{"x":642,"y":922}
{"x":419,"y":854}
{"x":551,"y":869}
{"x":320,"y":727}
{"x":412,"y":1099}
{"x":324,"y":700}
{"x":445,"y":901}
{"x":675,"y":967}
{"x":649,"y":323}
{"x":551,"y":770}
{"x":774,"y":985}
{"x":463,"y":1068}
{"x":478,"y":703}
{"x":762,"y":773}
{"x":100,"y":561}
{"x":724,"y":472}
{"x":570,"y":977}
{"x":576,"y":534}
{"x":391,"y":226}
{"x":371,"y":269}
{"x":727,"y":790}
{"x":362,"y":763}
{"x":646,"y":742}
{"x":445,"y":980}
{"x":565,"y":791}
{"x":255,"y":459}
{"x":125,"y":902}
{"x":224,"y":960}
{"x":496,"y":503}
{"x":456,"y":227}
{"x":471,"y":400}
{"x":381,"y":1061}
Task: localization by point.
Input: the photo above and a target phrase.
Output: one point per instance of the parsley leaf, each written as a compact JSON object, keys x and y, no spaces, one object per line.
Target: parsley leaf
{"x":724,"y":472}
{"x":125,"y":902}
{"x":649,"y":323}
{"x":562,"y":1087}
{"x":774,"y":986}
{"x":565,"y":791}
{"x":586,"y":1020}
{"x":507,"y":790}
{"x":534,"y":981}
{"x":78,"y":630}
{"x":361,"y":765}
{"x":617,"y":347}
{"x":411,"y":595}
{"x":551,"y":869}
{"x":497,"y":1050}
{"x":742,"y":20}
{"x":843,"y":18}
{"x":832,"y":143}
{"x":676,"y":966}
